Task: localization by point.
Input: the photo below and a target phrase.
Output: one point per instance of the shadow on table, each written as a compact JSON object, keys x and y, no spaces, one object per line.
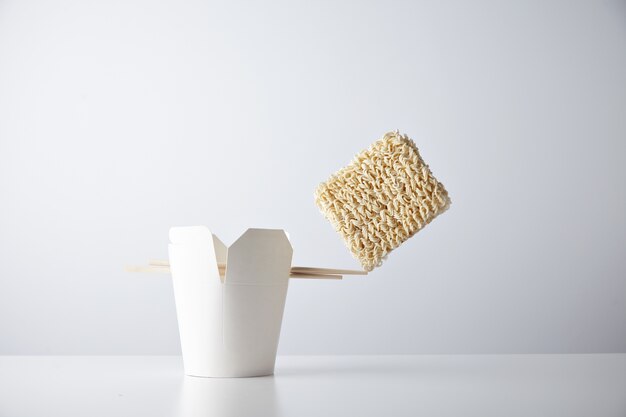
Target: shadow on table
{"x":226,"y":397}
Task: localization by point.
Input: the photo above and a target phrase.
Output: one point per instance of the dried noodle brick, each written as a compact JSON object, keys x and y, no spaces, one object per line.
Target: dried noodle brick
{"x":382,"y":198}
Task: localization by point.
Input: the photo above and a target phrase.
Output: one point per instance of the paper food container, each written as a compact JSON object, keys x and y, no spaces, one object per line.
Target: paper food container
{"x":229,"y":326}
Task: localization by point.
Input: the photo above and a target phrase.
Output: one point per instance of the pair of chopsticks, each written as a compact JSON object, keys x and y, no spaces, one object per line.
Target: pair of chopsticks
{"x":296,"y":271}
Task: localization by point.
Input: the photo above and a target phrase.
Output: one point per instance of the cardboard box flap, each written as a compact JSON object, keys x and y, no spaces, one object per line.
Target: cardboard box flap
{"x":200,"y":253}
{"x":221,"y":251}
{"x":261,"y":257}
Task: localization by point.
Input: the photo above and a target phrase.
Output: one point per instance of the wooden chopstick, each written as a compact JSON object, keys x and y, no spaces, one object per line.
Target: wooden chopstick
{"x":166,"y":270}
{"x":324,"y":271}
{"x":315,"y":276}
{"x":294,"y":269}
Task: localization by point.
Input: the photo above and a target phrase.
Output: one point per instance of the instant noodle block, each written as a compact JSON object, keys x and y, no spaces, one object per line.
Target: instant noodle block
{"x":382,"y":198}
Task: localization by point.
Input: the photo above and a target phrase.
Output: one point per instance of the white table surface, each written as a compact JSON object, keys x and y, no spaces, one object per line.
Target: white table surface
{"x":424,"y":385}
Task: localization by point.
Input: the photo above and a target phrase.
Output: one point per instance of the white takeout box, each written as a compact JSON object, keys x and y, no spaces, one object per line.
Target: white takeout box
{"x":229,"y":328}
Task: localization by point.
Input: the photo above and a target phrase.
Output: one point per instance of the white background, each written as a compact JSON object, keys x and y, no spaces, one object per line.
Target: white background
{"x":119,"y":119}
